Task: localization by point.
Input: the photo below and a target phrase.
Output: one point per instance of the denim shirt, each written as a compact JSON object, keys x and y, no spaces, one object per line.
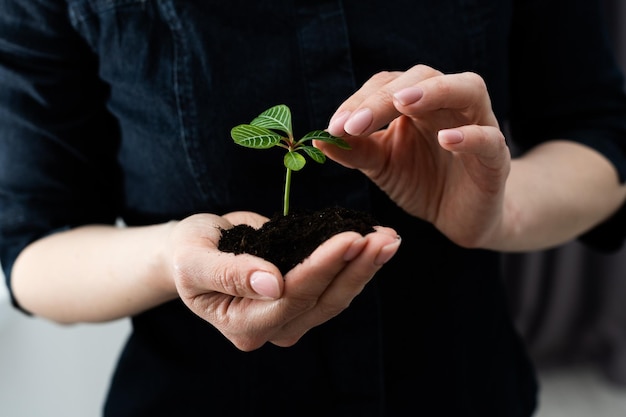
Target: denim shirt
{"x":122,"y":109}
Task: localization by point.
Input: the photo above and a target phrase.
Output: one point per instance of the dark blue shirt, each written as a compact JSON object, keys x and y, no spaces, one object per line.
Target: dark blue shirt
{"x":122,"y":109}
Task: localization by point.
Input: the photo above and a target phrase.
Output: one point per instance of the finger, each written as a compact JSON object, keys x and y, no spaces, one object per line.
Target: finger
{"x":363,"y":153}
{"x":306,"y":283}
{"x":303,"y":286}
{"x":202,"y":271}
{"x":372,"y":106}
{"x":346,"y":283}
{"x":486,"y":142}
{"x":308,"y":280}
{"x":246,"y":217}
{"x":465,"y":92}
{"x":484,"y":152}
{"x":375,"y":152}
{"x":199,"y":267}
{"x":354,"y":103}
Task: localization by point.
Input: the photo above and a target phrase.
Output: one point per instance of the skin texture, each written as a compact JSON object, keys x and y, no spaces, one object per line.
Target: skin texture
{"x":100,"y":273}
{"x":442,"y":158}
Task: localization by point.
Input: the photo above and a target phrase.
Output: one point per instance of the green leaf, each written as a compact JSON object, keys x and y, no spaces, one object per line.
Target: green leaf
{"x":277,"y":117}
{"x":326,"y":137}
{"x":294,"y":161}
{"x":254,"y":136}
{"x":314,"y":153}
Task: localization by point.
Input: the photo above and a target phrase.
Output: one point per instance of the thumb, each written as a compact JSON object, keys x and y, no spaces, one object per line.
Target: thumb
{"x":242,"y":276}
{"x":245,"y":276}
{"x":266,"y":284}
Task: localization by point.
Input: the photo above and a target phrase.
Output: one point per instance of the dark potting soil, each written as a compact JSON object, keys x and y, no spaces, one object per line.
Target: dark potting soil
{"x":288,"y":240}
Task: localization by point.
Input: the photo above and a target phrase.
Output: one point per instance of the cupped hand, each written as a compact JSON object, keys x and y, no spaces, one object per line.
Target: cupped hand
{"x":248,"y":300}
{"x":432,"y":142}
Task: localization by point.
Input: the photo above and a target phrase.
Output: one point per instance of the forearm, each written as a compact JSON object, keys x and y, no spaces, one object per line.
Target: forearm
{"x":556,"y":192}
{"x":94,"y":273}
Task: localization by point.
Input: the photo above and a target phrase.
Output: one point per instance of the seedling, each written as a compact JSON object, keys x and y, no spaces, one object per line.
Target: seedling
{"x":273,"y":128}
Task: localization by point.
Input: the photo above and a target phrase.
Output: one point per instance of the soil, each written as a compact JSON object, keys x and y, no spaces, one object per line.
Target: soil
{"x":288,"y":240}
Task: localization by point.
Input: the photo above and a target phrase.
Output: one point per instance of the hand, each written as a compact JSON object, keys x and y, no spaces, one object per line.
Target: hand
{"x":247,"y":299}
{"x":442,"y":156}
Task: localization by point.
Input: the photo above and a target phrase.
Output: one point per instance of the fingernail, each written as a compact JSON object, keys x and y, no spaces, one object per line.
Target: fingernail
{"x":359,"y":122}
{"x":354,"y":250}
{"x":387,"y":252}
{"x":409,"y":95}
{"x":450,"y":136}
{"x":335,"y":126}
{"x":265,"y":284}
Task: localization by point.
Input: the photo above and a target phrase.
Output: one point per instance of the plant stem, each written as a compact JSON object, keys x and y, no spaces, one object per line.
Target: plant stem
{"x":287,"y":188}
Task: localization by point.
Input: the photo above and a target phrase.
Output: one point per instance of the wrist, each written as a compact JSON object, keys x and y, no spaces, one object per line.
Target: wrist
{"x":163,"y":266}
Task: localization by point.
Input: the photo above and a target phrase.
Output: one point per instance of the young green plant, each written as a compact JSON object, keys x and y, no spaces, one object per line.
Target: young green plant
{"x":273,"y":128}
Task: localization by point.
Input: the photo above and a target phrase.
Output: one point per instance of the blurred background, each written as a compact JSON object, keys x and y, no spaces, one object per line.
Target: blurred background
{"x":569,"y":304}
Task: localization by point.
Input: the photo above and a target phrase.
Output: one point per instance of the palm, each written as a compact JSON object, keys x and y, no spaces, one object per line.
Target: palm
{"x":453,"y":179}
{"x":445,"y":188}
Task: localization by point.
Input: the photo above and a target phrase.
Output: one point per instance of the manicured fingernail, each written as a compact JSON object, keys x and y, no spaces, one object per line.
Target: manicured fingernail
{"x":387,"y":252}
{"x":335,"y":126}
{"x":265,"y":284}
{"x":409,"y":95}
{"x":354,"y":250}
{"x":359,"y":122}
{"x":450,"y":136}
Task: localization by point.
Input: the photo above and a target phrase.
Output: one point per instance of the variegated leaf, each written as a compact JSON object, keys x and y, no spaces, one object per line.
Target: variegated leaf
{"x":277,"y":117}
{"x":294,"y":161}
{"x":254,"y":136}
{"x":314,"y":153}
{"x":326,"y":137}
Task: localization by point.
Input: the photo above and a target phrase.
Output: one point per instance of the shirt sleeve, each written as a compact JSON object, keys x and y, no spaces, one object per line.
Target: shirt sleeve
{"x":57,"y":141}
{"x":566,"y":84}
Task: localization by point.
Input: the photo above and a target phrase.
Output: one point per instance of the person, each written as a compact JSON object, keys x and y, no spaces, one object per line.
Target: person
{"x":476,"y":128}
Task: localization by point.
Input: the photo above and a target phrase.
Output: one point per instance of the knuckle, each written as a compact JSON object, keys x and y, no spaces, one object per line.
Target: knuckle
{"x":383,"y":77}
{"x":442,"y":85}
{"x":298,"y":306}
{"x":286,"y":340}
{"x":476,"y":81}
{"x":491,"y":136}
{"x":226,"y":277}
{"x":246,"y":344}
{"x":384,"y":96}
{"x":246,"y":336}
{"x":330,"y":310}
{"x":424,"y":71}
